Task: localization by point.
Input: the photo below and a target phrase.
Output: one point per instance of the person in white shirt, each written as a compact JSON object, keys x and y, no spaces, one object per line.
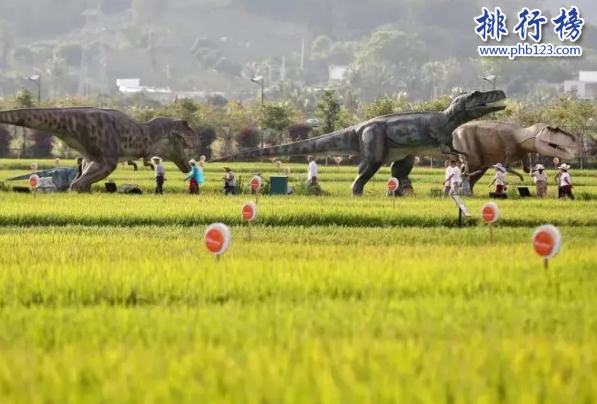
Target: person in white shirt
{"x":565,"y":182}
{"x":447,"y":177}
{"x":499,"y":179}
{"x":540,"y":178}
{"x":312,"y":171}
{"x":160,"y":174}
{"x":454,"y":179}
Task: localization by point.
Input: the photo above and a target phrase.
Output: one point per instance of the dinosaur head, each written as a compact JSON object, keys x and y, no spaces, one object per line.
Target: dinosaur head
{"x":476,"y":104}
{"x":553,"y":141}
{"x":181,"y":129}
{"x":181,"y":137}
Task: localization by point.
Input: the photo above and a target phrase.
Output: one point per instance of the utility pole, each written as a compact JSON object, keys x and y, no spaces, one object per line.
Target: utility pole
{"x":259,"y":80}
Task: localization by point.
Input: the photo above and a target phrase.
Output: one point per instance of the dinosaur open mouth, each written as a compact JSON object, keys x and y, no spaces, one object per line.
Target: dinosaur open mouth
{"x":497,"y":105}
{"x":569,"y":151}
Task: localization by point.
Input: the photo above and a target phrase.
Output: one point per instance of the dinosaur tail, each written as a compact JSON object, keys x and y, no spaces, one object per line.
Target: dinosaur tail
{"x":43,"y":173}
{"x":344,"y":141}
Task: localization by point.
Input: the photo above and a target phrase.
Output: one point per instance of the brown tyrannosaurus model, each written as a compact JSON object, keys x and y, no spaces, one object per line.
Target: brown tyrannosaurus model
{"x":105,"y":137}
{"x":487,"y":142}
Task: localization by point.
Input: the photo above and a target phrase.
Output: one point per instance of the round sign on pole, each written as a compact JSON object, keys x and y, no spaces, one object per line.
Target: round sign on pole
{"x":392,"y":184}
{"x":249,"y":211}
{"x":547,"y":241}
{"x":217,"y":238}
{"x":33,"y":166}
{"x":202,"y":158}
{"x":255,"y":183}
{"x":57,"y":161}
{"x":490,"y":212}
{"x":34,"y":180}
{"x":338,"y":159}
{"x":556,"y":161}
{"x":286,"y":171}
{"x":278,"y":163}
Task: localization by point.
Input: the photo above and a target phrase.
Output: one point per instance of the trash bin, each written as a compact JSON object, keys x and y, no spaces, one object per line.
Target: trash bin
{"x":278,"y":185}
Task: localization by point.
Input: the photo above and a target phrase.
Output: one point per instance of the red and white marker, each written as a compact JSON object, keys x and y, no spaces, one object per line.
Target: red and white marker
{"x":249,"y":211}
{"x":490,"y":213}
{"x":57,"y":161}
{"x":338,"y":159}
{"x":255,"y":183}
{"x":547,"y":242}
{"x":217,"y":238}
{"x":393,"y":184}
{"x":278,"y":163}
{"x":34,"y":180}
{"x":272,"y":159}
{"x":202,"y":158}
{"x":286,"y":171}
{"x":417,"y":160}
{"x":33,"y":166}
{"x":556,"y":161}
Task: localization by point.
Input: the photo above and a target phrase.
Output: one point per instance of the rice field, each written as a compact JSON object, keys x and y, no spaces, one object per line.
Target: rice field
{"x":111,"y":298}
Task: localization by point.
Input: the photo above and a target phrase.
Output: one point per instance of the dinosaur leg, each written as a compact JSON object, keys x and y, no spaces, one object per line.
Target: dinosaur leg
{"x":458,"y":152}
{"x":511,"y":171}
{"x":400,"y":170}
{"x":367,"y":170}
{"x":147,"y":163}
{"x":132,"y":163}
{"x":94,"y":172}
{"x":476,"y":176}
{"x":445,"y":149}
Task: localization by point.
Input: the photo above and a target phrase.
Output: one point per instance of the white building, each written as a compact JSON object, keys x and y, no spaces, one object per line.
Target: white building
{"x":585,"y":87}
{"x":163,"y":94}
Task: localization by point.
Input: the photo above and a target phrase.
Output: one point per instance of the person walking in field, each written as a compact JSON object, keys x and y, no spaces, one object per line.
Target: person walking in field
{"x":447,"y":177}
{"x":540,"y":179}
{"x":499,"y":179}
{"x":565,"y":182}
{"x":312,"y":171}
{"x":454,"y":179}
{"x":160,"y":175}
{"x":229,"y":182}
{"x":195,"y":178}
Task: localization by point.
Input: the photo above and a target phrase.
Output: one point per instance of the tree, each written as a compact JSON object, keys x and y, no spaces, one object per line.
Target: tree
{"x":207,"y":135}
{"x":278,"y":118}
{"x":328,"y":109}
{"x":299,"y":131}
{"x":5,"y":138}
{"x":247,"y":138}
{"x":42,"y":144}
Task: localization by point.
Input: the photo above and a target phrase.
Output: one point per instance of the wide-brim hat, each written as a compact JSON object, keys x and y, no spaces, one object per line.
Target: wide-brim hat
{"x":192,"y":161}
{"x":539,"y":167}
{"x":156,"y":158}
{"x":564,"y":166}
{"x":499,"y":166}
{"x":226,"y":168}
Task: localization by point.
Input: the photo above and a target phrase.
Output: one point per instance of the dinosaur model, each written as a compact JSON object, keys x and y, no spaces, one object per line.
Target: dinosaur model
{"x":61,"y":177}
{"x":104,"y":137}
{"x":490,"y":142}
{"x":393,"y":138}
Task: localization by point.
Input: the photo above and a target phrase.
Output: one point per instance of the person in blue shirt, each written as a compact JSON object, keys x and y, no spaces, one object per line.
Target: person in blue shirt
{"x":195,"y":176}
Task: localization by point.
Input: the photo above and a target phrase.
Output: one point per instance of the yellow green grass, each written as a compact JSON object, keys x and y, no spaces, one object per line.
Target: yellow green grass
{"x":110,"y":298}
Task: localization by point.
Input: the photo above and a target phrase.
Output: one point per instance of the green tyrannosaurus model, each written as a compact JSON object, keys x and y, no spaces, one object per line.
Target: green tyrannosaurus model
{"x":393,"y":138}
